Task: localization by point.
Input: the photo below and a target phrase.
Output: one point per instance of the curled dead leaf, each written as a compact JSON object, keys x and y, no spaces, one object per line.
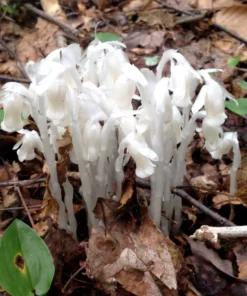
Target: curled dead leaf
{"x":125,"y":252}
{"x":233,"y":18}
{"x":241,"y":258}
{"x":64,"y":148}
{"x":223,"y":199}
{"x":212,"y":4}
{"x":203,"y":184}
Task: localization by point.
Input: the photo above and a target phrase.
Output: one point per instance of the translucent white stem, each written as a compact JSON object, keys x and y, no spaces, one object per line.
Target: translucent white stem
{"x":85,"y":179}
{"x":157,"y":180}
{"x":50,"y":158}
{"x":107,"y":131}
{"x":157,"y":185}
{"x":68,"y":199}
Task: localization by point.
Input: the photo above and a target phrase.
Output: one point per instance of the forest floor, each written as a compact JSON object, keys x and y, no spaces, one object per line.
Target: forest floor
{"x":210,"y":34}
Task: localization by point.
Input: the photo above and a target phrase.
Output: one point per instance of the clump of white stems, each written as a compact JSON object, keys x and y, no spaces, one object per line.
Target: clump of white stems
{"x":90,"y":94}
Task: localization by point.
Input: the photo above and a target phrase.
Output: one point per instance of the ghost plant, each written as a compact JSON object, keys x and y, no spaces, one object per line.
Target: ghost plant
{"x":90,"y":95}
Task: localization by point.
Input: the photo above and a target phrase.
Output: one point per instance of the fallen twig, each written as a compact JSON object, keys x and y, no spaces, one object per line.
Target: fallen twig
{"x":219,"y":27}
{"x":190,"y":19}
{"x":212,"y":234}
{"x":22,"y":182}
{"x":221,"y":220}
{"x":181,"y":193}
{"x":25,"y":206}
{"x":19,"y":208}
{"x":14,"y":55}
{"x":67,"y":28}
{"x":71,"y":278}
{"x":15,"y":79}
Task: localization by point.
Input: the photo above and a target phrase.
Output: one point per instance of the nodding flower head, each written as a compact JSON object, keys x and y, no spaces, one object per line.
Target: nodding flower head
{"x":13,"y":97}
{"x":212,"y":96}
{"x":28,"y":143}
{"x":141,"y":153}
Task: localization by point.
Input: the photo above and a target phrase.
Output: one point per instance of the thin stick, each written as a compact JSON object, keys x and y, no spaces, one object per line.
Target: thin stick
{"x":190,"y":19}
{"x":181,"y":193}
{"x":19,"y":208}
{"x":219,"y":27}
{"x":174,"y":8}
{"x":22,"y":183}
{"x":232,"y":34}
{"x":15,"y":79}
{"x":221,"y":220}
{"x":25,"y":206}
{"x":18,"y":62}
{"x":67,"y":28}
{"x":71,"y":278}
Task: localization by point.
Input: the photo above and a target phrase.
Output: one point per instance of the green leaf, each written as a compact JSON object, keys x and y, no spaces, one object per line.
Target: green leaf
{"x":152,"y":61}
{"x":105,"y":37}
{"x":243,"y":84}
{"x":1,"y":115}
{"x":232,"y":62}
{"x":26,"y":265}
{"x":241,"y":109}
{"x":10,"y":9}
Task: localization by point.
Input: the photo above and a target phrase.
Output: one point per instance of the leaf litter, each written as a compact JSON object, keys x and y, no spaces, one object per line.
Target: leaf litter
{"x":130,"y":255}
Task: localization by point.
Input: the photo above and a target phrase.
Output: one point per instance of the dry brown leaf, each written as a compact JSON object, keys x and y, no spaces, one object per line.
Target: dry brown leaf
{"x":190,"y":212}
{"x":199,"y":249}
{"x":49,"y":207}
{"x":9,"y":194}
{"x":143,"y":51}
{"x":241,"y":182}
{"x":203,"y":184}
{"x":234,"y":19}
{"x":137,"y":6}
{"x":41,"y":228}
{"x":4,"y":176}
{"x":223,"y":199}
{"x":45,"y":38}
{"x":128,"y":191}
{"x":145,"y":40}
{"x":158,"y":17}
{"x":212,"y":4}
{"x":64,"y":148}
{"x":10,"y":197}
{"x":225,"y":44}
{"x":207,"y":279}
{"x":51,"y":6}
{"x":240,"y":251}
{"x":10,"y":68}
{"x":132,"y":256}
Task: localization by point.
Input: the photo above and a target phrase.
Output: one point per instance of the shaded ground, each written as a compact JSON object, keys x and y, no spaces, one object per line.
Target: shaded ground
{"x":147,"y":29}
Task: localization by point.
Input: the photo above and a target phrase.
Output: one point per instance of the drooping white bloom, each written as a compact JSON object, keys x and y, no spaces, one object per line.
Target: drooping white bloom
{"x":184,"y":79}
{"x":28,"y":143}
{"x":213,"y":135}
{"x":212,"y":96}
{"x":141,"y":153}
{"x":230,"y":141}
{"x":52,"y":82}
{"x":183,"y":84}
{"x":99,"y":65}
{"x":14,"y":99}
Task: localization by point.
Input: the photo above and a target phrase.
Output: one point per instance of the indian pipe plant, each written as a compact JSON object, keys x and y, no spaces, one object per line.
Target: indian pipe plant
{"x":89,"y":93}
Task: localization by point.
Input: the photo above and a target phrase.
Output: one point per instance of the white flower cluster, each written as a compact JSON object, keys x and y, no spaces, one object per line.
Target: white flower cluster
{"x":90,"y":93}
